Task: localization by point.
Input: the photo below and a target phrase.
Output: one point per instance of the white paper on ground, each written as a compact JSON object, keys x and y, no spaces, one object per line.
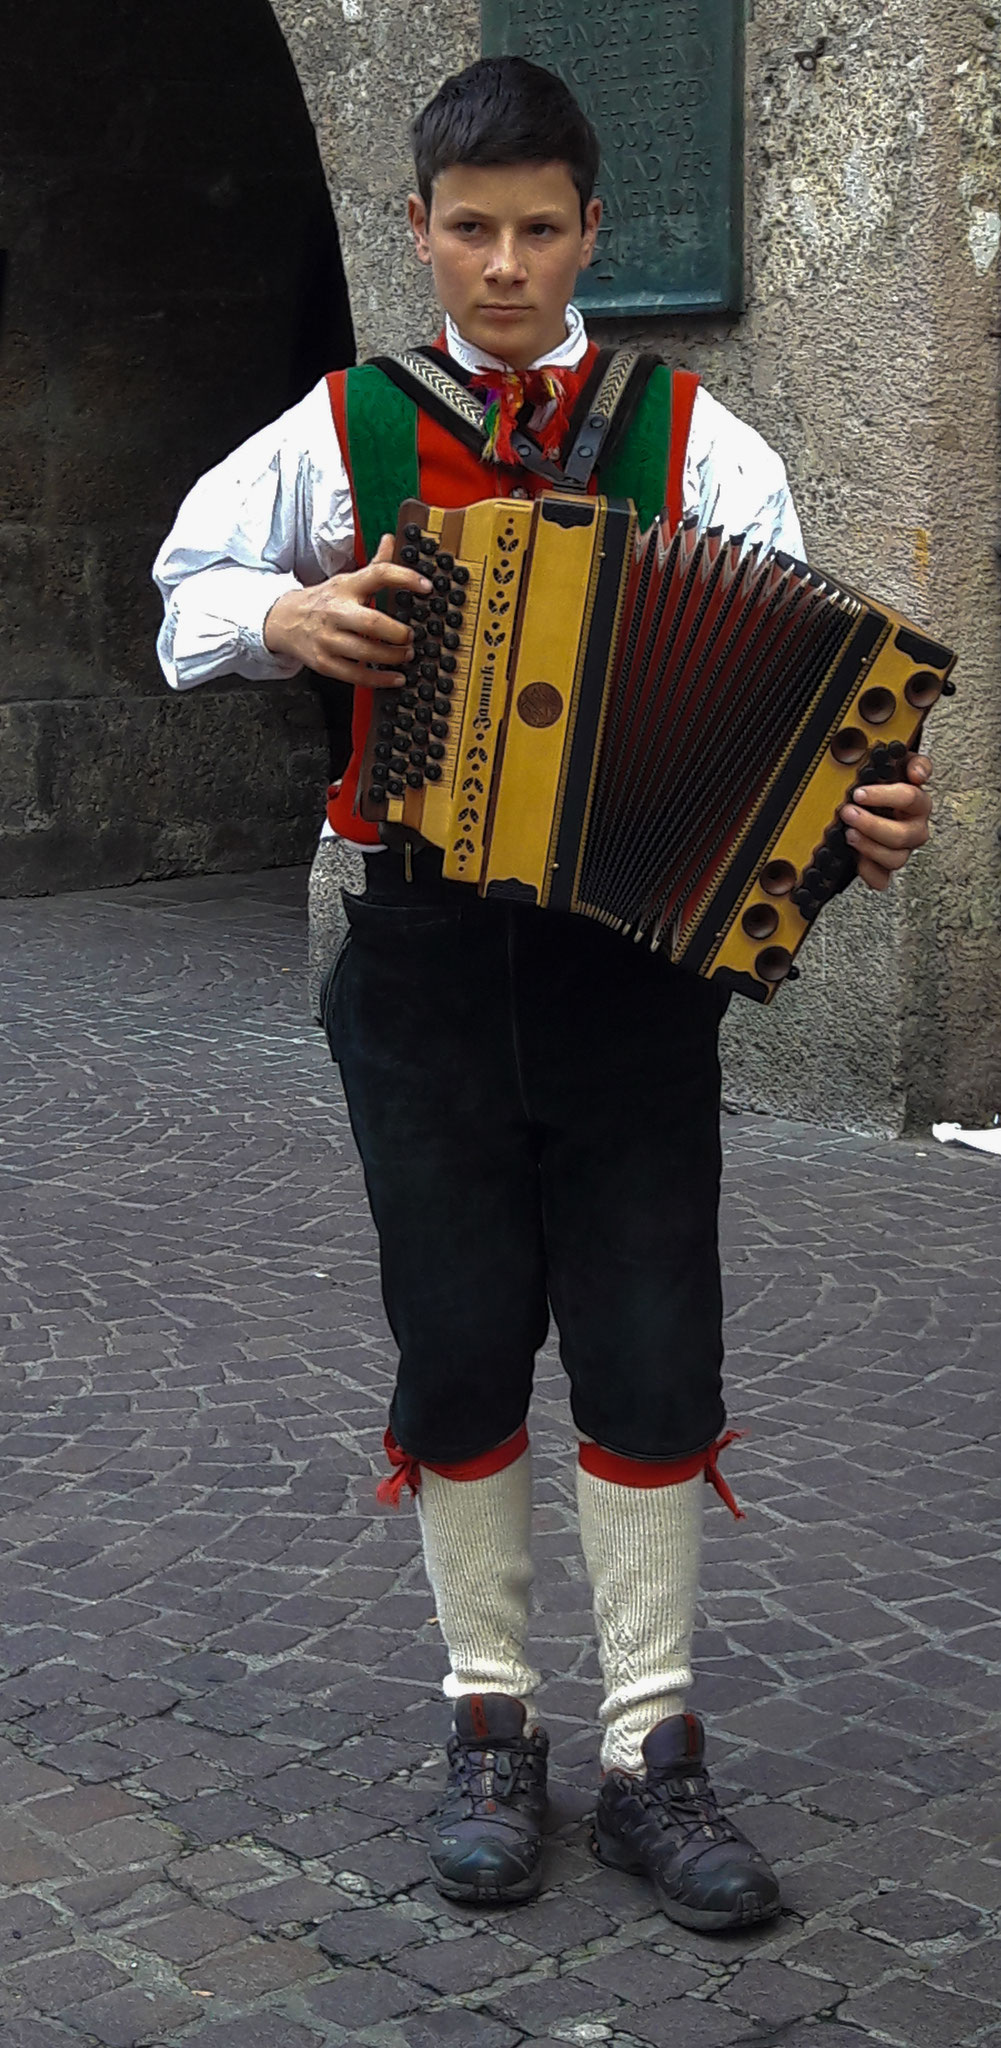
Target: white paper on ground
{"x":954,"y":1134}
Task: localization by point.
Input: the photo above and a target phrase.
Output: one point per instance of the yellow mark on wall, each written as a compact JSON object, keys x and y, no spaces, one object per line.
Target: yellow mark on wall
{"x":922,"y":554}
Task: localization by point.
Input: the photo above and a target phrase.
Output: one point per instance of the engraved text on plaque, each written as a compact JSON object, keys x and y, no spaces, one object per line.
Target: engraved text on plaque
{"x":663,"y":84}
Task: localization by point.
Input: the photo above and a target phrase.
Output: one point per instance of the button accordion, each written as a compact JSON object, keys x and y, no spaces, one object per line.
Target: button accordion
{"x":655,"y":731}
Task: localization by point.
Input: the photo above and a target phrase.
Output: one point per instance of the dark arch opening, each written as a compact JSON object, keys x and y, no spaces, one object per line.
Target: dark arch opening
{"x":173,"y":280}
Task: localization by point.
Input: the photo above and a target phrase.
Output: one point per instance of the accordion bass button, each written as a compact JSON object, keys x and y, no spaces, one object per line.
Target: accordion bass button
{"x":760,"y":920}
{"x":773,"y":963}
{"x":778,"y":878}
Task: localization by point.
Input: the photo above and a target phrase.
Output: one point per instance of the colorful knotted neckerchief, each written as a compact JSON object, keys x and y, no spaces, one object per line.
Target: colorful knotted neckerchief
{"x":506,"y":394}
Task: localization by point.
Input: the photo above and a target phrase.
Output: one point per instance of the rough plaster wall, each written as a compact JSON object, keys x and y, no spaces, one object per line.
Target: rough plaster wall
{"x":865,"y":356}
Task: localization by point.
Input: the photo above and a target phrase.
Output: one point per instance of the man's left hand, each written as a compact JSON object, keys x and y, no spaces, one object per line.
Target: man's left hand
{"x":884,"y":844}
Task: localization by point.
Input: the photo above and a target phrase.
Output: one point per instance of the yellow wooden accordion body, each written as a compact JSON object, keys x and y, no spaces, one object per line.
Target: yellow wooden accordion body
{"x":656,"y":732}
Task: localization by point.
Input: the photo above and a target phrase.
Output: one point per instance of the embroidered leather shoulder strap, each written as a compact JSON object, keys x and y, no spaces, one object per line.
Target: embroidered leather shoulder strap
{"x":426,"y":377}
{"x":611,"y":395}
{"x":624,"y":378}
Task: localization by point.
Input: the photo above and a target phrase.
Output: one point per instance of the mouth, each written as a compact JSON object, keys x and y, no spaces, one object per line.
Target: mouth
{"x":505,"y":309}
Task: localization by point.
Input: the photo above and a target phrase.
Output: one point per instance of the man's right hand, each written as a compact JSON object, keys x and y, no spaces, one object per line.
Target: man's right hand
{"x":335,"y":629}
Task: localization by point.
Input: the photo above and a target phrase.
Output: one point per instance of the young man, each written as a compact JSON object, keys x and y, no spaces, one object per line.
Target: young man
{"x":536,"y":1104}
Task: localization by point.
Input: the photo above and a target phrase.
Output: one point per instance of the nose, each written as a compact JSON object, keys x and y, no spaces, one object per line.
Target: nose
{"x":504,"y":260}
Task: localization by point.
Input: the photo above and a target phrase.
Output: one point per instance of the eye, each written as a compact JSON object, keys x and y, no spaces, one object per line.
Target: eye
{"x":539,"y":228}
{"x":467,"y":227}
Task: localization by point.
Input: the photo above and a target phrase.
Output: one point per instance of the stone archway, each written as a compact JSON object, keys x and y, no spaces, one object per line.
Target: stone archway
{"x":173,"y":280}
{"x":365,"y":68}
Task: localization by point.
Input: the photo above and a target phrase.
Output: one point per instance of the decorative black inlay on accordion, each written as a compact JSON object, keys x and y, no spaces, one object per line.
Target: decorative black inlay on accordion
{"x":656,"y":731}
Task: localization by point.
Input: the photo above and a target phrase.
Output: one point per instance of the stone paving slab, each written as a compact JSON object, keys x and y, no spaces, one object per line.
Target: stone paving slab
{"x":219,"y":1721}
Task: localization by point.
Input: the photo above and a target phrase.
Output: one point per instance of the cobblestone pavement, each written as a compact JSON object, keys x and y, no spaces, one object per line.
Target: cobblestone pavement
{"x":219,"y":1667}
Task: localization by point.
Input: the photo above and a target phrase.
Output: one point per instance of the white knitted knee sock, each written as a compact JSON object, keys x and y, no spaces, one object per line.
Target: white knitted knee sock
{"x":477,"y":1549}
{"x":641,"y":1548}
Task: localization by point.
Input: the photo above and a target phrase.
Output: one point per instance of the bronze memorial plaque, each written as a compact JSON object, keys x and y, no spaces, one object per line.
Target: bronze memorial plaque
{"x":663,"y":82}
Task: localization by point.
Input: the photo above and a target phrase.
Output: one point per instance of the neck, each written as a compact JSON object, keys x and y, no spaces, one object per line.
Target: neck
{"x":519,"y":362}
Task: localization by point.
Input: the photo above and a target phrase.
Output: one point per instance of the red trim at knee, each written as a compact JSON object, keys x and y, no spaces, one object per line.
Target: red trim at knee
{"x":649,"y":1472}
{"x":407,"y":1470}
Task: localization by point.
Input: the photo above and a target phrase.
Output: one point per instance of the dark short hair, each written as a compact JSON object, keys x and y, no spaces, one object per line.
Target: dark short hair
{"x":504,"y":110}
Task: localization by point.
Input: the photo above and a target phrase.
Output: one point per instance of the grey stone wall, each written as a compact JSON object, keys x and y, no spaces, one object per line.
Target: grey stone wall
{"x":171,"y":260}
{"x":867,"y":355}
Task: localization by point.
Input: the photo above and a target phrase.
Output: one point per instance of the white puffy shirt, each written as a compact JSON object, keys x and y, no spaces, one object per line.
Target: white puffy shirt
{"x":276,"y":515}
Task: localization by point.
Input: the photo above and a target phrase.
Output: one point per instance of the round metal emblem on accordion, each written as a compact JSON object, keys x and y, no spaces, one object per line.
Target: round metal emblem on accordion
{"x":539,"y":704}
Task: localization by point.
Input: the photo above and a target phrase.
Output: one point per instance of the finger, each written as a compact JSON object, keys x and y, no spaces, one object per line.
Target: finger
{"x":365,"y":624}
{"x":360,"y":674}
{"x":873,"y":876}
{"x":873,"y":850}
{"x":907,"y":827}
{"x":919,"y":768}
{"x":385,"y":575}
{"x":368,"y":648}
{"x":899,"y":835}
{"x":892,"y":796}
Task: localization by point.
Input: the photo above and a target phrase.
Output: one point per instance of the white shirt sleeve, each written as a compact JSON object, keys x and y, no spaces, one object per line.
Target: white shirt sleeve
{"x":734,"y":480}
{"x":276,"y":515}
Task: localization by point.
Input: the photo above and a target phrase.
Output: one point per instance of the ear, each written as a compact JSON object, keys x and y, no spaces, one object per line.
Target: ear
{"x":418,"y":216}
{"x":592,"y":222}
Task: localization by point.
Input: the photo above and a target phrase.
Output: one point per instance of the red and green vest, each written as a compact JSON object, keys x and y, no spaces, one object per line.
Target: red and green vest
{"x":393,"y":450}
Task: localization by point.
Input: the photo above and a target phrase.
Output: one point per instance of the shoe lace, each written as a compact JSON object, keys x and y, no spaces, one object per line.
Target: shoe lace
{"x":491,"y":1777}
{"x":684,"y":1805}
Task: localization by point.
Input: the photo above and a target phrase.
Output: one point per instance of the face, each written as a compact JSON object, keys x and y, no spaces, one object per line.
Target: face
{"x":505,"y":244}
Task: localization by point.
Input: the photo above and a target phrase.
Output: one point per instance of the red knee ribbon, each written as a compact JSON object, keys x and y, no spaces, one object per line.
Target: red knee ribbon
{"x":643,"y":1472}
{"x":407,"y":1470}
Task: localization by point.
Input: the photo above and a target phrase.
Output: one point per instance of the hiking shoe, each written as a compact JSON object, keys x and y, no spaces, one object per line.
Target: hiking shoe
{"x":486,"y":1838}
{"x":667,"y":1826}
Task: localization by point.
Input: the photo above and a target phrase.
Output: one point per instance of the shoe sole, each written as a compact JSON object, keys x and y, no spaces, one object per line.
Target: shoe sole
{"x":480,"y":1895}
{"x":749,"y":1912}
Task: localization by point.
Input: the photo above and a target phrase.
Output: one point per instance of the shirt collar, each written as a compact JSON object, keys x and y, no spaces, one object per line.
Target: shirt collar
{"x":566,"y":356}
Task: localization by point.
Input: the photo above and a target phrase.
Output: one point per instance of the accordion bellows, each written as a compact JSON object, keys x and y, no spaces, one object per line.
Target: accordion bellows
{"x":654,"y":731}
